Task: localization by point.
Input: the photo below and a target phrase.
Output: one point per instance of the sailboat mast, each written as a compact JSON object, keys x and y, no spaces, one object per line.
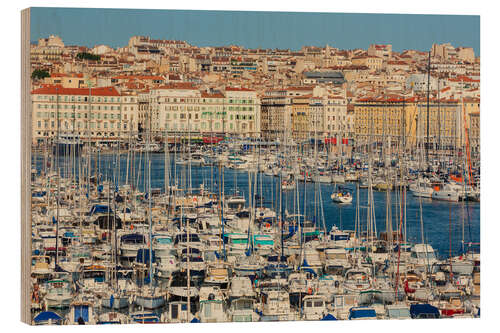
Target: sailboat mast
{"x":428,"y":112}
{"x":148,"y":157}
{"x":57,"y":177}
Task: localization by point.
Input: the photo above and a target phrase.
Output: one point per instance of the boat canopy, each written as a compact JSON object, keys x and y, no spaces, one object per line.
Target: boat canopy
{"x":46,"y":316}
{"x":108,"y":222}
{"x":100,"y":209}
{"x":340,"y":237}
{"x":357,"y":313}
{"x":329,"y":317}
{"x":133,"y":238}
{"x":192,"y":250}
{"x":424,"y":311}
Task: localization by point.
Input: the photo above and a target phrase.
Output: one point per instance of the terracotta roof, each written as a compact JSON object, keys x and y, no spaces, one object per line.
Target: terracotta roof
{"x":300,"y":88}
{"x":59,"y":90}
{"x":238,"y":89}
{"x":204,"y":94}
{"x":178,"y":85}
{"x":140,"y":77}
{"x":463,"y":78}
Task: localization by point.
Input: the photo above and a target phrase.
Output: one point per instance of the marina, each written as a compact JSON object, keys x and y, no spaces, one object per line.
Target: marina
{"x":188,"y":234}
{"x":253,"y":177}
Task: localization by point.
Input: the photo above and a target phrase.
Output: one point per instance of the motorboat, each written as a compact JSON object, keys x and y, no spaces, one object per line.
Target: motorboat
{"x":149,"y":298}
{"x":357,"y":280}
{"x":423,"y":258}
{"x":276,"y":306}
{"x":314,"y":307}
{"x":239,"y":287}
{"x":242,"y":309}
{"x":422,"y":188}
{"x":212,"y":311}
{"x":341,"y":196}
{"x":447,"y":193}
{"x":131,"y":243}
{"x":59,"y":294}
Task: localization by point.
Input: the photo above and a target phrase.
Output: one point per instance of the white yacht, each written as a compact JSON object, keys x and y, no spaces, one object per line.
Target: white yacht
{"x":314,"y":307}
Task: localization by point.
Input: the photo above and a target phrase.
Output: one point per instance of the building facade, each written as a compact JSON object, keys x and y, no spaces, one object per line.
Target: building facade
{"x":101,"y":114}
{"x":184,"y":109}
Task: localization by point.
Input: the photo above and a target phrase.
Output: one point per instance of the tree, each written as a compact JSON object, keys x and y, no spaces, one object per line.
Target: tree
{"x":39,"y":74}
{"x":88,"y":56}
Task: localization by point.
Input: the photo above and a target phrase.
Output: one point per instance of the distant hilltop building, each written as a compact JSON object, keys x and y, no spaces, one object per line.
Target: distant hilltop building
{"x":448,"y":52}
{"x":135,"y":41}
{"x":47,"y":49}
{"x":52,"y":41}
{"x":102,"y":49}
{"x":383,"y":51}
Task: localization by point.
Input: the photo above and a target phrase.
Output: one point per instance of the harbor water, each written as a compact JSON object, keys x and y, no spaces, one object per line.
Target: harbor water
{"x":438,"y":217}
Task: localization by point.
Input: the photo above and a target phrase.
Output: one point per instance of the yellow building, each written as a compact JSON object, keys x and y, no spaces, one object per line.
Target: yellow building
{"x":474,"y":134}
{"x":471,"y":107}
{"x":404,"y":121}
{"x":300,"y":117}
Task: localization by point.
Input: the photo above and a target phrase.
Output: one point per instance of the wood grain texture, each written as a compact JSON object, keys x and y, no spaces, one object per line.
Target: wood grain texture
{"x":25,"y":168}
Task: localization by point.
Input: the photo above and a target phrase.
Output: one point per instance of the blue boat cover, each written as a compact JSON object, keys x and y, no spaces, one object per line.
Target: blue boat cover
{"x":46,"y":315}
{"x":329,"y":317}
{"x":417,"y":310}
{"x":133,"y":238}
{"x":143,"y":256}
{"x":355,"y":313}
{"x":81,"y":311}
{"x":100,"y":209}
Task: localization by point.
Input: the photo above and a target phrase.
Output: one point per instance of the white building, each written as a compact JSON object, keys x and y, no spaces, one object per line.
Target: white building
{"x":182,"y":108}
{"x":418,"y":82}
{"x":72,"y":111}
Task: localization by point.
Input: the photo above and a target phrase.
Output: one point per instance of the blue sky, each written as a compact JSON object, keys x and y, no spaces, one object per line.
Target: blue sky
{"x":113,"y":27}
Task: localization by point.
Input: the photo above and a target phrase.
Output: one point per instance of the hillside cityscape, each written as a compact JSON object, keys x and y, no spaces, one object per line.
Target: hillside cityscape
{"x":173,"y":183}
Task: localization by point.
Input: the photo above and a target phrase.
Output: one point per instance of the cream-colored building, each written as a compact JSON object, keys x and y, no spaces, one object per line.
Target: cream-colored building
{"x":184,"y":109}
{"x":372,"y":62}
{"x":101,"y":113}
{"x":383,"y":51}
{"x":319,"y":116}
{"x":70,"y":80}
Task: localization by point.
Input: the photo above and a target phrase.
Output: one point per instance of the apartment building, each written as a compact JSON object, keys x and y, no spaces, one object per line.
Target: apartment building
{"x":103,"y":114}
{"x":403,"y":121}
{"x":183,"y":108}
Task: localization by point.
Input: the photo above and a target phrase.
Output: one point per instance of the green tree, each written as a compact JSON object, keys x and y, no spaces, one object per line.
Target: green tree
{"x":39,"y":74}
{"x":88,"y":56}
